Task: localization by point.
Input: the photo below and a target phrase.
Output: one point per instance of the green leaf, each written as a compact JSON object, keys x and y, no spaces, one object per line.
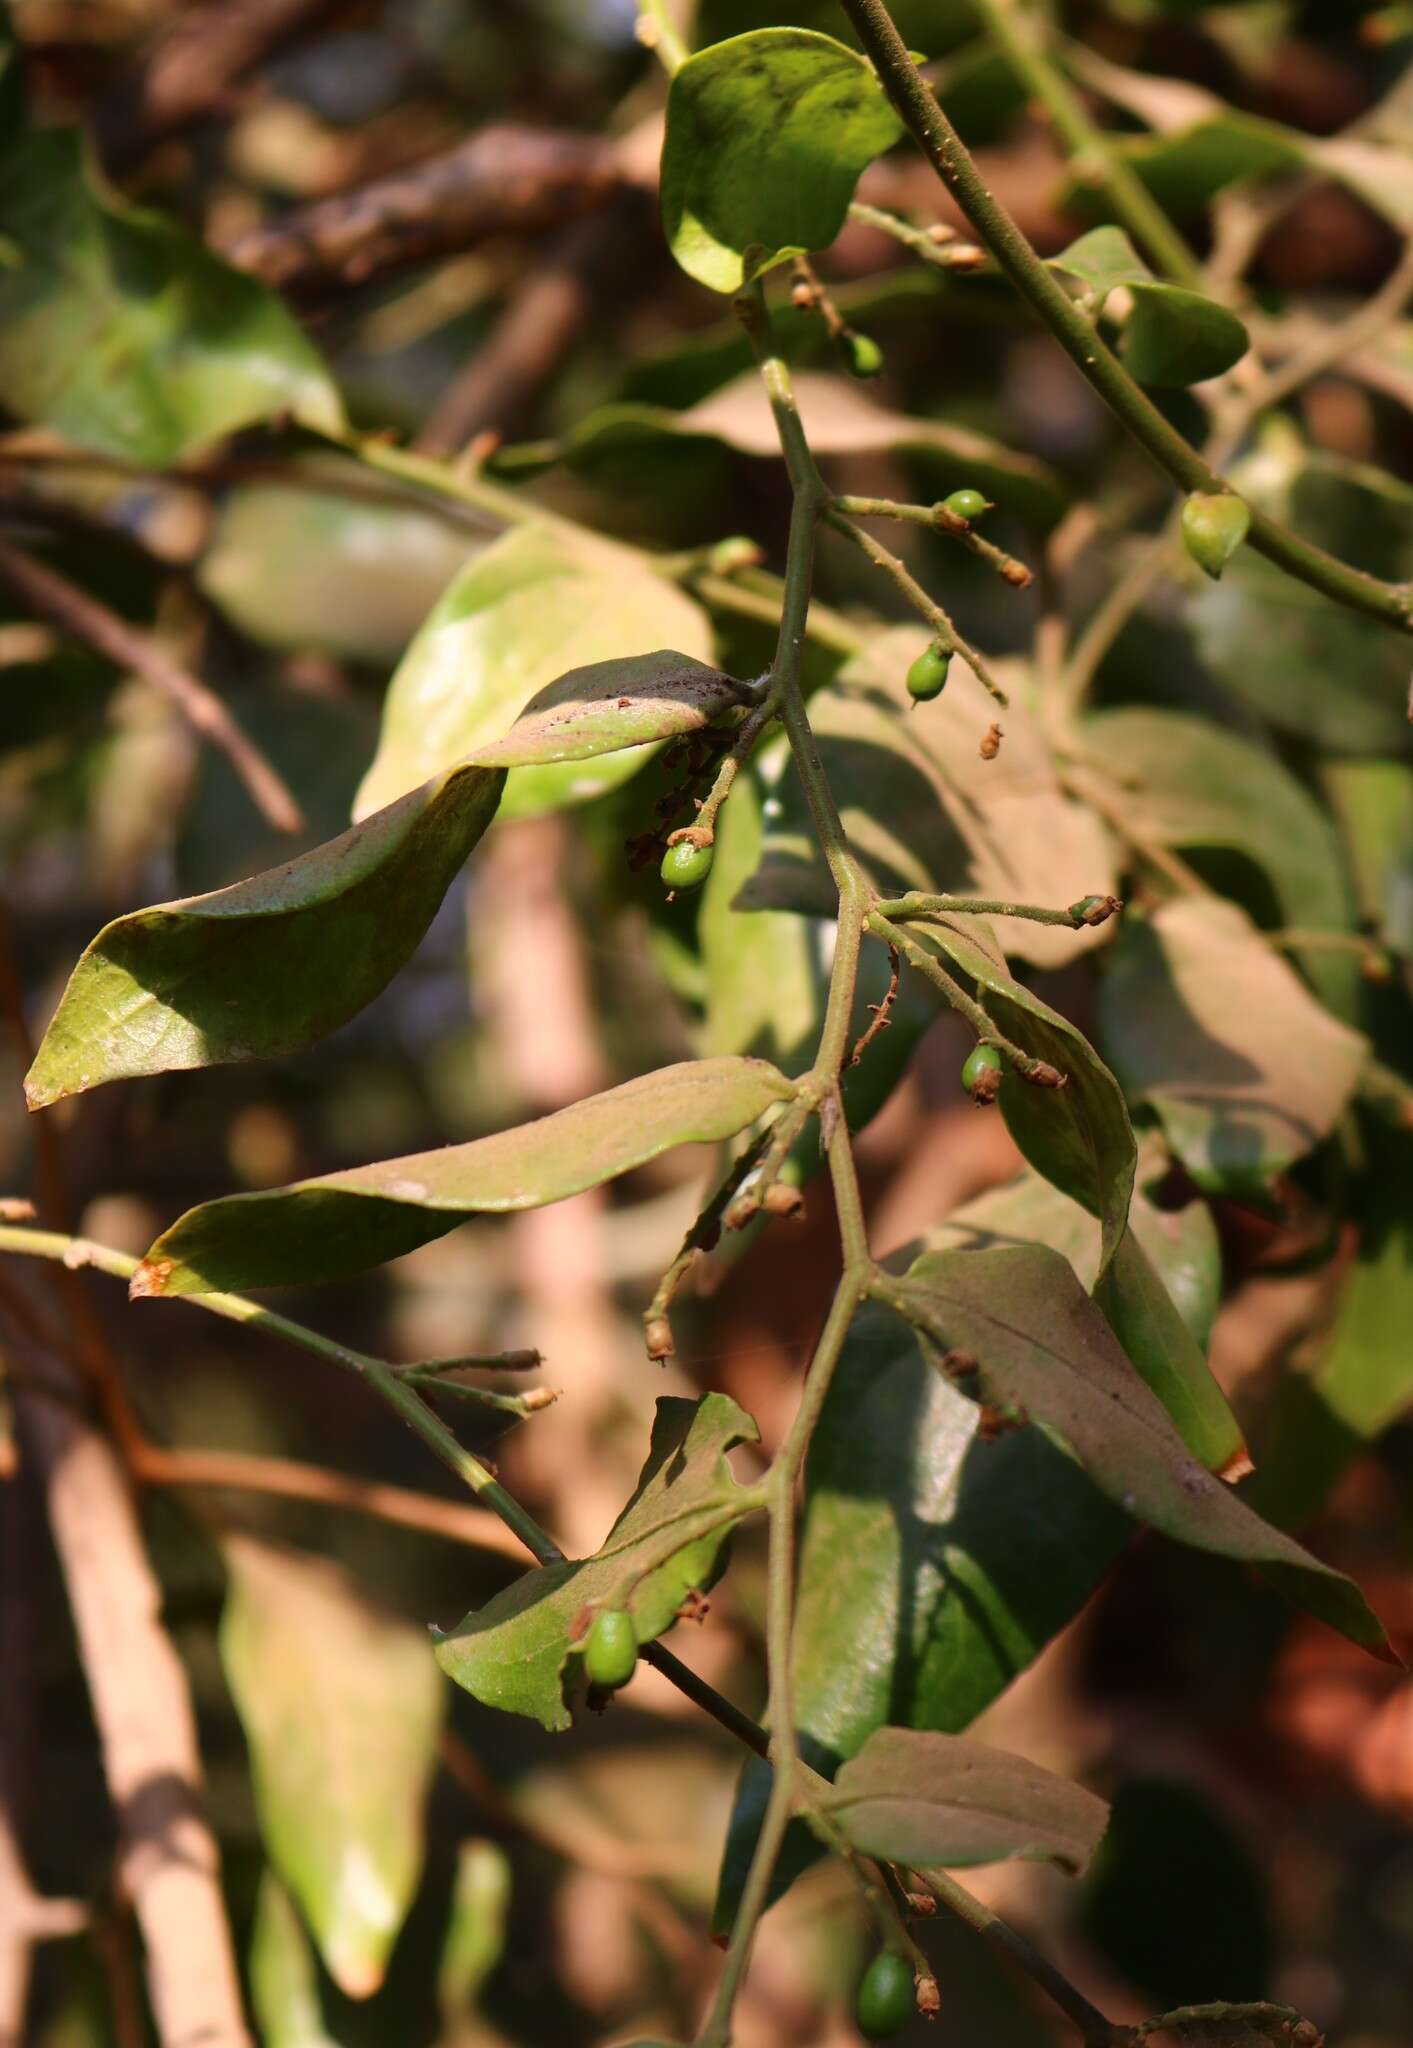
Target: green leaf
{"x":1079,"y":1136}
{"x":1373,"y":801}
{"x":764,"y":971}
{"x":511,"y":1653}
{"x":125,"y":335}
{"x":1211,"y":1028}
{"x":475,"y":1936}
{"x":924,"y":811}
{"x":636,"y":700}
{"x":535,"y":602}
{"x":1163,"y":1351}
{"x":303,"y":566}
{"x":345,"y":1222}
{"x":1102,"y":260}
{"x":284,"y":1983}
{"x":918,"y":1797}
{"x":1181,"y":781}
{"x":1173,"y":336}
{"x":767,"y":136}
{"x":1185,"y":170}
{"x":341,"y":1707}
{"x":269,"y":965}
{"x":1042,"y":1350}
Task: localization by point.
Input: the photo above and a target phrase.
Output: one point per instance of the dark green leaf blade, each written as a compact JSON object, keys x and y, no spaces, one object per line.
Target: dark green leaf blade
{"x":342,"y":1707}
{"x":767,"y":135}
{"x":511,"y":1653}
{"x":269,"y":965}
{"x":345,"y":1222}
{"x":122,"y":333}
{"x":1041,"y":1347}
{"x":1174,"y":337}
{"x":918,"y":1797}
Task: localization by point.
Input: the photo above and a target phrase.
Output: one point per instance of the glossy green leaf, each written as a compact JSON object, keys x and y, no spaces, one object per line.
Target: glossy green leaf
{"x":1171,"y":336}
{"x":341,"y":1707}
{"x":344,"y":1222}
{"x":475,"y":1936}
{"x":635,"y":700}
{"x":1217,"y":1034}
{"x":924,"y":811}
{"x":1043,"y":1353}
{"x":767,"y":136}
{"x":270,"y":965}
{"x":917,"y":1797}
{"x":1181,"y":781}
{"x":1078,"y":1136}
{"x":511,"y":1653}
{"x":538,"y":602}
{"x":306,"y":565}
{"x":284,"y":1981}
{"x":764,"y":970}
{"x":124,"y":334}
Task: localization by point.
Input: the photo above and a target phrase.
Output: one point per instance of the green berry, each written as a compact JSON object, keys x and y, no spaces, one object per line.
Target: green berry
{"x":982,"y":1073}
{"x":611,"y":1652}
{"x":685,"y":865}
{"x":928,"y":675}
{"x":967,"y":505}
{"x":1214,"y":524}
{"x":886,"y":2000}
{"x":862,"y":355}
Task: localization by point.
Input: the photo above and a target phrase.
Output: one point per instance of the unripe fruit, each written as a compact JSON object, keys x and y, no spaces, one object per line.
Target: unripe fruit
{"x":967,"y":505}
{"x":885,"y":2001}
{"x":611,"y":1652}
{"x":862,"y":355}
{"x":685,"y":865}
{"x":1214,"y":524}
{"x":981,"y":1076}
{"x":928,"y":675}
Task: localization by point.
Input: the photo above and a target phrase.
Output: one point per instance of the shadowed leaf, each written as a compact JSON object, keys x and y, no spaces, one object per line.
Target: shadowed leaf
{"x":634,"y":701}
{"x":284,"y":1980}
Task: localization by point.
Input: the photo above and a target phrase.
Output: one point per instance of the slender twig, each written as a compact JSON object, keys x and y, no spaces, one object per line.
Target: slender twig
{"x":937,"y":245}
{"x":1095,"y":2029}
{"x":1048,"y":299}
{"x":942,"y":625}
{"x":53,"y":597}
{"x":917,"y":903}
{"x":939,"y":519}
{"x":1040,"y":1072}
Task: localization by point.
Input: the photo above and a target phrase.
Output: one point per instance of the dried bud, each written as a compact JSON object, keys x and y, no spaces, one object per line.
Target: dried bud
{"x":922,"y":1904}
{"x":1017,"y":574}
{"x":959,"y":1364}
{"x":929,"y":1998}
{"x":1043,"y":1075}
{"x":991,"y":742}
{"x":941,"y":234}
{"x":783,"y":1200}
{"x":802,"y":294}
{"x":658,"y":1336}
{"x":1094,"y":909}
{"x":740,"y":1211}
{"x":966,"y":256}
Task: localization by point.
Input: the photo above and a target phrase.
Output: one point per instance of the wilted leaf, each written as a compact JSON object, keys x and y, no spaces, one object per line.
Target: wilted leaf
{"x":636,"y":700}
{"x":918,"y":1798}
{"x":341,"y":1706}
{"x":511,"y":1653}
{"x":475,"y":1936}
{"x":344,"y":1222}
{"x":269,"y":965}
{"x":767,"y":135}
{"x":540,"y":601}
{"x":124,"y":334}
{"x":284,"y":1983}
{"x":1034,"y":1345}
{"x":1219,"y":1036}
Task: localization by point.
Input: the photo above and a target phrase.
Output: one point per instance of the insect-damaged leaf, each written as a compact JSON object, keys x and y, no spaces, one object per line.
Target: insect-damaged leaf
{"x":512,"y":1652}
{"x":536,"y":603}
{"x":341,"y":1707}
{"x":917,"y":1797}
{"x":269,"y":965}
{"x":344,"y":1222}
{"x":767,"y":136}
{"x":1025,"y":1339}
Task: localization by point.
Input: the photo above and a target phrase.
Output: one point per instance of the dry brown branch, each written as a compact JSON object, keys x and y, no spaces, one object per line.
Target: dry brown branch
{"x":52,"y":597}
{"x":505,"y":180}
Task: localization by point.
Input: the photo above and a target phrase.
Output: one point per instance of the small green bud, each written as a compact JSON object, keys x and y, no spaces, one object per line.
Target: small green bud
{"x":927,"y":677}
{"x":886,"y":1999}
{"x":611,"y":1652}
{"x":1093,"y":909}
{"x":862,"y":355}
{"x":981,"y":1076}
{"x":685,"y":865}
{"x":1214,"y":524}
{"x":967,"y":505}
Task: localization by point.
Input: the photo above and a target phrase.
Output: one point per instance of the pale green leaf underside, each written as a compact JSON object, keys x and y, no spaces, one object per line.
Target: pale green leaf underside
{"x":1042,"y":1349}
{"x":270,"y":965}
{"x":124,"y":334}
{"x":341,"y":1707}
{"x":767,"y":135}
{"x":344,"y":1222}
{"x":512,"y":1652}
{"x":917,"y":1797}
{"x":608,"y":707}
{"x":540,"y":601}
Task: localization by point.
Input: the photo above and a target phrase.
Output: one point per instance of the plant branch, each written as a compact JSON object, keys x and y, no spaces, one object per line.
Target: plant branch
{"x":947,"y":634}
{"x":917,"y":105}
{"x":1095,"y":2029}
